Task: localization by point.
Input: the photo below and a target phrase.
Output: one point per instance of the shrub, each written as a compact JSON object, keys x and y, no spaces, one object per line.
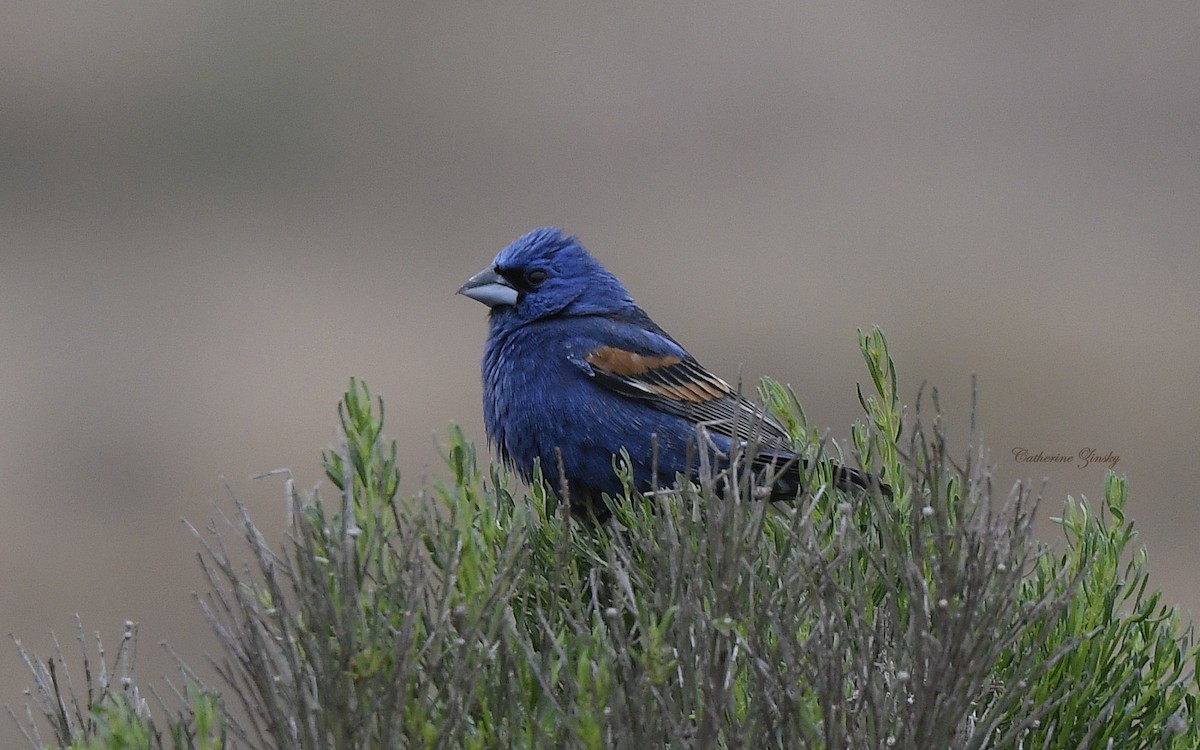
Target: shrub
{"x":466,"y":616}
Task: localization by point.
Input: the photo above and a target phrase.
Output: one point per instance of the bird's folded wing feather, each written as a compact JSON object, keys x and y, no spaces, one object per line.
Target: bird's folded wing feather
{"x":674,"y":382}
{"x":636,"y":359}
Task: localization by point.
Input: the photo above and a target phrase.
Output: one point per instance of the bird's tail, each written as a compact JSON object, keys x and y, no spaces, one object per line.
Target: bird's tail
{"x":788,"y":475}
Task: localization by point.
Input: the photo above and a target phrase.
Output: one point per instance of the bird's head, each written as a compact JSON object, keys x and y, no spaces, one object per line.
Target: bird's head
{"x":546,"y":273}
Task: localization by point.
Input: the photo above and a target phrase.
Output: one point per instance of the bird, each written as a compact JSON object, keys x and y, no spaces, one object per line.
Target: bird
{"x":574,"y":371}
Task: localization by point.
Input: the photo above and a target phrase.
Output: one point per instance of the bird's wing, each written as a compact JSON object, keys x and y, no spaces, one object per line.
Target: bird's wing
{"x":646,"y":364}
{"x":636,"y":359}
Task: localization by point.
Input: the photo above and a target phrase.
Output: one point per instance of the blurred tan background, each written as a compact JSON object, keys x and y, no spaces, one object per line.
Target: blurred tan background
{"x":213,"y":214}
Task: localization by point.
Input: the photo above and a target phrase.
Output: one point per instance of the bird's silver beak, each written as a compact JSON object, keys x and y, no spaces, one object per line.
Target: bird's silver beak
{"x":490,"y":288}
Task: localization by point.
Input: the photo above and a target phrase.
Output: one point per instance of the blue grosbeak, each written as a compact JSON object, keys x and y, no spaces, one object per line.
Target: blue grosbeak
{"x":574,"y":370}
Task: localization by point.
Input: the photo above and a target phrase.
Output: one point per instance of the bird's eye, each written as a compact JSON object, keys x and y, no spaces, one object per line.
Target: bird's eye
{"x":534,"y":277}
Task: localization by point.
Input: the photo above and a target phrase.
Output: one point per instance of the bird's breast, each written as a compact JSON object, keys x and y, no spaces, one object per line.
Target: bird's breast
{"x":530,"y":396}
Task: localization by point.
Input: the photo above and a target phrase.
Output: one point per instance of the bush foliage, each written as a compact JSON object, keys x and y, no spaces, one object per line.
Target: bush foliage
{"x":472,"y":616}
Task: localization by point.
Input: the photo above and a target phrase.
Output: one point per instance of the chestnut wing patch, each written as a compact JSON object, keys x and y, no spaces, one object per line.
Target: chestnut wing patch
{"x":682,"y":386}
{"x":624,"y":362}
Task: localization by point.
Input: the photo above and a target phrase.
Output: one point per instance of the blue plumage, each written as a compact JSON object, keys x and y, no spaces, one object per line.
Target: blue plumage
{"x":574,"y":369}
